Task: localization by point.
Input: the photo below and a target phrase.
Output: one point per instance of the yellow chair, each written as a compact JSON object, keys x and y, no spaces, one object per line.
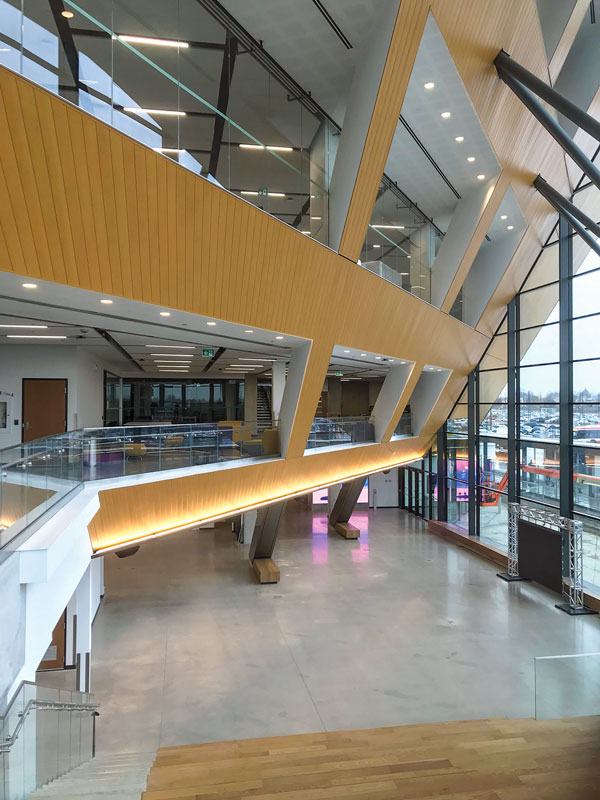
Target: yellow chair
{"x":135,"y":450}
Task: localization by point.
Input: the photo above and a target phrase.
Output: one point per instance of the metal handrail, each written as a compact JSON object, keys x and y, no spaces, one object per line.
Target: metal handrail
{"x":43,"y":705}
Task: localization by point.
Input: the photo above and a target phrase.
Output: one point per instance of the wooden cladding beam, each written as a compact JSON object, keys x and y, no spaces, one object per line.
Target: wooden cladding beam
{"x":406,"y":36}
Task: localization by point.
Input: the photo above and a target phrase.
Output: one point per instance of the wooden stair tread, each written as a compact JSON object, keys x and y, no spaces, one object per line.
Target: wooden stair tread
{"x":489,"y":759}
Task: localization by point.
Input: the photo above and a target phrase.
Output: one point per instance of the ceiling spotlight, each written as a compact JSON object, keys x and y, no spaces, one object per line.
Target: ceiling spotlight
{"x":248,"y":331}
{"x":279,"y":337}
{"x":378,"y":358}
{"x":470,"y":159}
{"x":29,"y":285}
{"x":346,"y":351}
{"x":165,"y":313}
{"x":481,"y":177}
{"x":106,"y":302}
{"x":212,"y":324}
{"x":363,"y":354}
{"x":429,"y":85}
{"x":459,"y":139}
{"x":446,"y":115}
{"x":503,"y":216}
{"x":509,"y":227}
{"x":67,"y":14}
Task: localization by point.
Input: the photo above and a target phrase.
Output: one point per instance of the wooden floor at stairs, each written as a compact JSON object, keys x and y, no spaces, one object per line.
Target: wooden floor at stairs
{"x":490,"y":759}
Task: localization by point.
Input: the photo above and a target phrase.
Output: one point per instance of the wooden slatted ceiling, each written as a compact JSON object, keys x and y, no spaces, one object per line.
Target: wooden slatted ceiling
{"x":487,"y":759}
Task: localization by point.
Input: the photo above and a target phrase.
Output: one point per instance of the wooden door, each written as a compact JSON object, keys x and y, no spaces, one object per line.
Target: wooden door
{"x":54,"y":657}
{"x":44,"y":407}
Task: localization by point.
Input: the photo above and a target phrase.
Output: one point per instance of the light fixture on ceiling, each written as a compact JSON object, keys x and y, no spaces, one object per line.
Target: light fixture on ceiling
{"x":279,"y":337}
{"x":165,"y":313}
{"x":470,"y":159}
{"x":248,"y":366}
{"x":252,"y":147}
{"x":390,"y":227}
{"x":378,"y":246}
{"x":106,"y":302}
{"x":279,"y":148}
{"x":503,"y":216}
{"x":316,"y":218}
{"x":404,"y":273}
{"x":185,"y":371}
{"x":33,"y":336}
{"x":24,"y":326}
{"x":174,"y":346}
{"x":459,"y":139}
{"x":173,"y":355}
{"x":446,"y":114}
{"x":429,"y":85}
{"x":363,"y":354}
{"x":168,"y":150}
{"x":167,"y":111}
{"x":163,"y":361}
{"x":378,"y":358}
{"x":306,"y":233}
{"x":67,"y":14}
{"x":346,"y":351}
{"x":249,"y":331}
{"x":249,"y":193}
{"x":256,"y":359}
{"x":276,"y":194}
{"x":29,"y":285}
{"x":212,"y":324}
{"x":510,"y":227}
{"x":481,"y":177}
{"x":403,"y":362}
{"x":125,"y":37}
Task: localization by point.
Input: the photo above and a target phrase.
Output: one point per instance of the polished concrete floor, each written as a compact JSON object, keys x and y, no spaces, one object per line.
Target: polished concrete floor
{"x":397,"y":627}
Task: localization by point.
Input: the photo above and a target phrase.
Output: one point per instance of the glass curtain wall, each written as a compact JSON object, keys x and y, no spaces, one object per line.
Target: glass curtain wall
{"x":527,"y":427}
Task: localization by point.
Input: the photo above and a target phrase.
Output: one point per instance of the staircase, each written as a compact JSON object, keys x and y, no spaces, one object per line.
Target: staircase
{"x":263,"y":408}
{"x":122,"y":777}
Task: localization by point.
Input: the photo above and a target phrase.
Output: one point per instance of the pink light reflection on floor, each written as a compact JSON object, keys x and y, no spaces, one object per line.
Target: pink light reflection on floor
{"x":361,"y":553}
{"x":320,"y":539}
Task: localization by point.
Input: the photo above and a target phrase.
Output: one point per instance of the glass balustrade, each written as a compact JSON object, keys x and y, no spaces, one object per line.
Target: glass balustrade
{"x":36,"y":475}
{"x":179,"y":82}
{"x":327,"y":432}
{"x":567,"y":686}
{"x":45,"y":733}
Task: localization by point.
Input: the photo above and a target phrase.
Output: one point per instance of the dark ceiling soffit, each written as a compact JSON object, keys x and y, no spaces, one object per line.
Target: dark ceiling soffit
{"x":106,"y":335}
{"x":333,"y":24}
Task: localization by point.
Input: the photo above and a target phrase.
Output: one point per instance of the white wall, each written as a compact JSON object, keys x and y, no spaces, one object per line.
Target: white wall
{"x":79,"y":365}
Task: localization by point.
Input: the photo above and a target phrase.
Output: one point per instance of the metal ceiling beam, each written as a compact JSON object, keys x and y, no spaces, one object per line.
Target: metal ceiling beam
{"x":333,"y":24}
{"x":106,"y":335}
{"x":559,"y":202}
{"x":552,"y":126}
{"x":508,"y":66}
{"x":214,"y":359}
{"x":229,"y":54}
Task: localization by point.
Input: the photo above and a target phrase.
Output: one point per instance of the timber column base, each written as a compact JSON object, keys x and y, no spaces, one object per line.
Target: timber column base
{"x":347,"y":530}
{"x":266,"y":570}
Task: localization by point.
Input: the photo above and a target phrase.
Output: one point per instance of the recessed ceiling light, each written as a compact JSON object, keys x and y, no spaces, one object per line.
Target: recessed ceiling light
{"x":279,"y":337}
{"x":503,"y":216}
{"x":378,"y":246}
{"x":106,"y":302}
{"x":167,"y":111}
{"x":174,"y":346}
{"x":509,"y":227}
{"x":346,"y":351}
{"x":168,"y":150}
{"x":391,"y":360}
{"x":404,"y":273}
{"x":363,"y":354}
{"x":249,"y":193}
{"x":390,"y":227}
{"x":459,"y":139}
{"x":173,"y":355}
{"x":165,"y":313}
{"x":150,"y":40}
{"x":211,"y":323}
{"x":481,"y":177}
{"x":378,"y":358}
{"x":279,"y":148}
{"x":446,"y":114}
{"x":252,"y":147}
{"x":307,"y":233}
{"x":23,"y":326}
{"x":241,"y":358}
{"x":163,"y":361}
{"x":248,"y":331}
{"x":403,"y":362}
{"x":29,"y":285}
{"x":32,"y":336}
{"x":429,"y":85}
{"x":247,"y":366}
{"x":276,"y":194}
{"x":316,"y":218}
{"x":470,"y":159}
{"x":67,"y":14}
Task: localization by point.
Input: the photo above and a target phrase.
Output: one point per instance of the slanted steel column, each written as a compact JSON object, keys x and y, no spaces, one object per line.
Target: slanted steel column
{"x":507,"y":66}
{"x":346,"y":500}
{"x":573,"y":215}
{"x":547,"y":120}
{"x":265,"y":532}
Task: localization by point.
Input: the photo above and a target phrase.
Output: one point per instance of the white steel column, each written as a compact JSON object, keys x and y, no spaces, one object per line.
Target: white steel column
{"x":277,"y":389}
{"x":83,"y":630}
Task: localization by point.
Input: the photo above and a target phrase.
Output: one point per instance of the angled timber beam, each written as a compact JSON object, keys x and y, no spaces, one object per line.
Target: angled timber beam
{"x":573,"y":215}
{"x":229,"y":54}
{"x":393,"y":398}
{"x":371,"y":117}
{"x":563,"y":48}
{"x":465,"y":235}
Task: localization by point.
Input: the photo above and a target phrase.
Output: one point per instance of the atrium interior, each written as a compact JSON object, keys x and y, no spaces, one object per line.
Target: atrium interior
{"x":299,"y":399}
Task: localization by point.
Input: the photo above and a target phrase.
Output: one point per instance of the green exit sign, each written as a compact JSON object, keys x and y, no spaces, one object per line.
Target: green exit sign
{"x":263,"y":192}
{"x":339,"y":372}
{"x":208,"y":352}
